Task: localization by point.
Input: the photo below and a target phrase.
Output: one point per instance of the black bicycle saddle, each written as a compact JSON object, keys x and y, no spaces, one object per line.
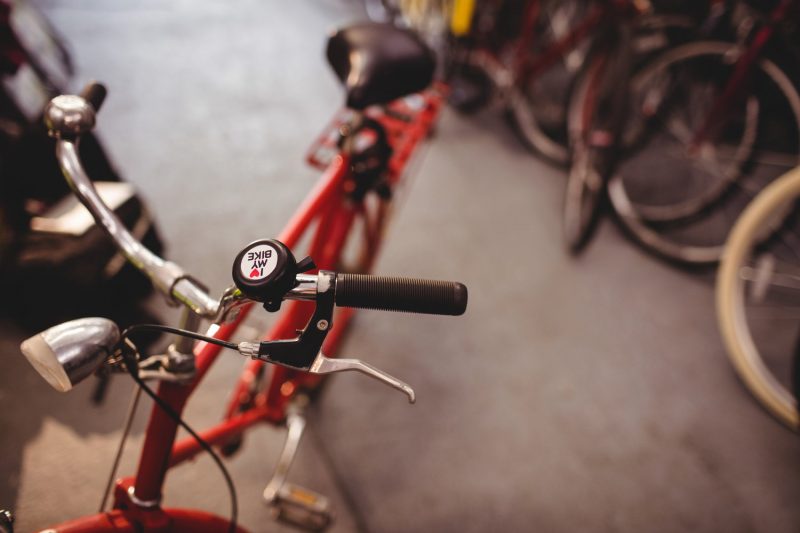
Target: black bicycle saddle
{"x":378,"y":63}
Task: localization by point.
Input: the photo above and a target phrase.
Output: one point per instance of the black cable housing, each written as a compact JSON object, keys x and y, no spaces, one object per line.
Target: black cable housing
{"x":178,"y":331}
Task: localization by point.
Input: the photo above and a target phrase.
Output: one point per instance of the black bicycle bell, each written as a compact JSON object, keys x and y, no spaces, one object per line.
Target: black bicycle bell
{"x":265,"y":270}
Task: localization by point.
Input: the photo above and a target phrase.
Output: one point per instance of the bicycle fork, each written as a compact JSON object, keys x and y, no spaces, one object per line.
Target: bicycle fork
{"x":291,"y":503}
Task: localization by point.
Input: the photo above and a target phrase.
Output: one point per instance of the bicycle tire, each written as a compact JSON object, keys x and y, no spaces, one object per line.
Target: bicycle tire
{"x":538,"y":107}
{"x":595,"y":115}
{"x":584,"y":189}
{"x":537,"y":104}
{"x":694,"y":205}
{"x":693,"y":231}
{"x":730,"y":300}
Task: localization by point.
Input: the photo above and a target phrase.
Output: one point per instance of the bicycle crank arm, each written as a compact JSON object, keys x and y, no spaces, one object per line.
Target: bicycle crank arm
{"x":327,"y":365}
{"x":291,"y":503}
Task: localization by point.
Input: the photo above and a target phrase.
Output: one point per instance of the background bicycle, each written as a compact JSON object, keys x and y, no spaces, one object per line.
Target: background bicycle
{"x":600,"y":380}
{"x":707,"y":124}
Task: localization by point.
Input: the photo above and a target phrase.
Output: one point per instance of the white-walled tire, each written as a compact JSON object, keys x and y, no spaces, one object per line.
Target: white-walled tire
{"x":730,"y":298}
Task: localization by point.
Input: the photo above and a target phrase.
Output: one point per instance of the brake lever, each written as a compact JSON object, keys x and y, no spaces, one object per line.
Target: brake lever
{"x":266,"y":271}
{"x":304,"y":352}
{"x":327,"y":365}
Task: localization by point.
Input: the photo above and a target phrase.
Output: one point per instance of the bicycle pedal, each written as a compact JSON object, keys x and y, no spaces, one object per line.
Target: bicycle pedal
{"x":299,"y":506}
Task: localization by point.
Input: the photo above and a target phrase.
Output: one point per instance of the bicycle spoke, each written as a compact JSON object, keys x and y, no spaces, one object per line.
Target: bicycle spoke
{"x":769,"y":272}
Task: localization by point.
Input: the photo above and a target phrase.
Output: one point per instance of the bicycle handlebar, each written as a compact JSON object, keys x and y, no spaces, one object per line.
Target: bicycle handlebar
{"x":68,"y":117}
{"x":265,"y":271}
{"x":95,"y":94}
{"x":168,"y":277}
{"x":401,"y":294}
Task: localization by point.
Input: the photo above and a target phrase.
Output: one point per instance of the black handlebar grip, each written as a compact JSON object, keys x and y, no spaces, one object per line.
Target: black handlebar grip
{"x":95,"y":94}
{"x":401,"y":294}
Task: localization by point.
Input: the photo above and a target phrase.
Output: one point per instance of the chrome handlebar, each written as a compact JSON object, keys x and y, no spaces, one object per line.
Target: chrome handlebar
{"x":167,"y":276}
{"x":67,"y":118}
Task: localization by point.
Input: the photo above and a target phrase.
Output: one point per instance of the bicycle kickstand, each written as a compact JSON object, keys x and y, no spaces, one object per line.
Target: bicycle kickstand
{"x":291,"y":503}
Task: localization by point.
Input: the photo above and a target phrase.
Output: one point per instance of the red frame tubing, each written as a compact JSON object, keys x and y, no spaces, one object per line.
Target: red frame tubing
{"x":335,"y":223}
{"x":326,"y":204}
{"x":734,"y":87}
{"x":283,"y":382}
{"x":522,"y":48}
{"x":161,"y":430}
{"x":527,"y":66}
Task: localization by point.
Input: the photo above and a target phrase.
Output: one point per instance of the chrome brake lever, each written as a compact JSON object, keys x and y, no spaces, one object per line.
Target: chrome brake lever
{"x":327,"y":365}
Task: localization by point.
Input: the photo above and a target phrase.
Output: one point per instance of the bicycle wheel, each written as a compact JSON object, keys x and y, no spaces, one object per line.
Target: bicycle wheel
{"x":679,"y":199}
{"x":596,"y":115}
{"x":589,"y":148}
{"x":537,"y":104}
{"x":757,"y":292}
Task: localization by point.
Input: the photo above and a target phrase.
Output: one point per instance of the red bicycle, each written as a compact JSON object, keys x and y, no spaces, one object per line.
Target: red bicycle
{"x":390,"y":110}
{"x":709,"y":124}
{"x":531,"y":51}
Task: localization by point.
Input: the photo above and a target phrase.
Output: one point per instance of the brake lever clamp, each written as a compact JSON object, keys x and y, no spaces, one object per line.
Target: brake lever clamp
{"x":260,"y":260}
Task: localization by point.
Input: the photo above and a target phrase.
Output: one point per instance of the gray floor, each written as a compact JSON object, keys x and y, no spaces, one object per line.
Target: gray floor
{"x":576,"y":394}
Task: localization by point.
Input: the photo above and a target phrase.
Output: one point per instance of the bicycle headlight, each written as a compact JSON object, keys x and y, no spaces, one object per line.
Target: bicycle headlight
{"x":66,"y":354}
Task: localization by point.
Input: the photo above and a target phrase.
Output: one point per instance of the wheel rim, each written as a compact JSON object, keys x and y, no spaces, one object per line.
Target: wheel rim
{"x":731,"y":305}
{"x":694,"y":232}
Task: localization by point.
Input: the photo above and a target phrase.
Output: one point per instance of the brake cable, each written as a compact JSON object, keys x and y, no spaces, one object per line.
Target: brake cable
{"x":129,"y":352}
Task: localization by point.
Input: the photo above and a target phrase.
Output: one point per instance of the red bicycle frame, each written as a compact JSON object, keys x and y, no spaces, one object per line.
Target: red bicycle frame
{"x":735,"y":87}
{"x":328,"y":205}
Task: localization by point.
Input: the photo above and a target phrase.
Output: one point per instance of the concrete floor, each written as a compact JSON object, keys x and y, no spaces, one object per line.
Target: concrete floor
{"x":576,"y":394}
